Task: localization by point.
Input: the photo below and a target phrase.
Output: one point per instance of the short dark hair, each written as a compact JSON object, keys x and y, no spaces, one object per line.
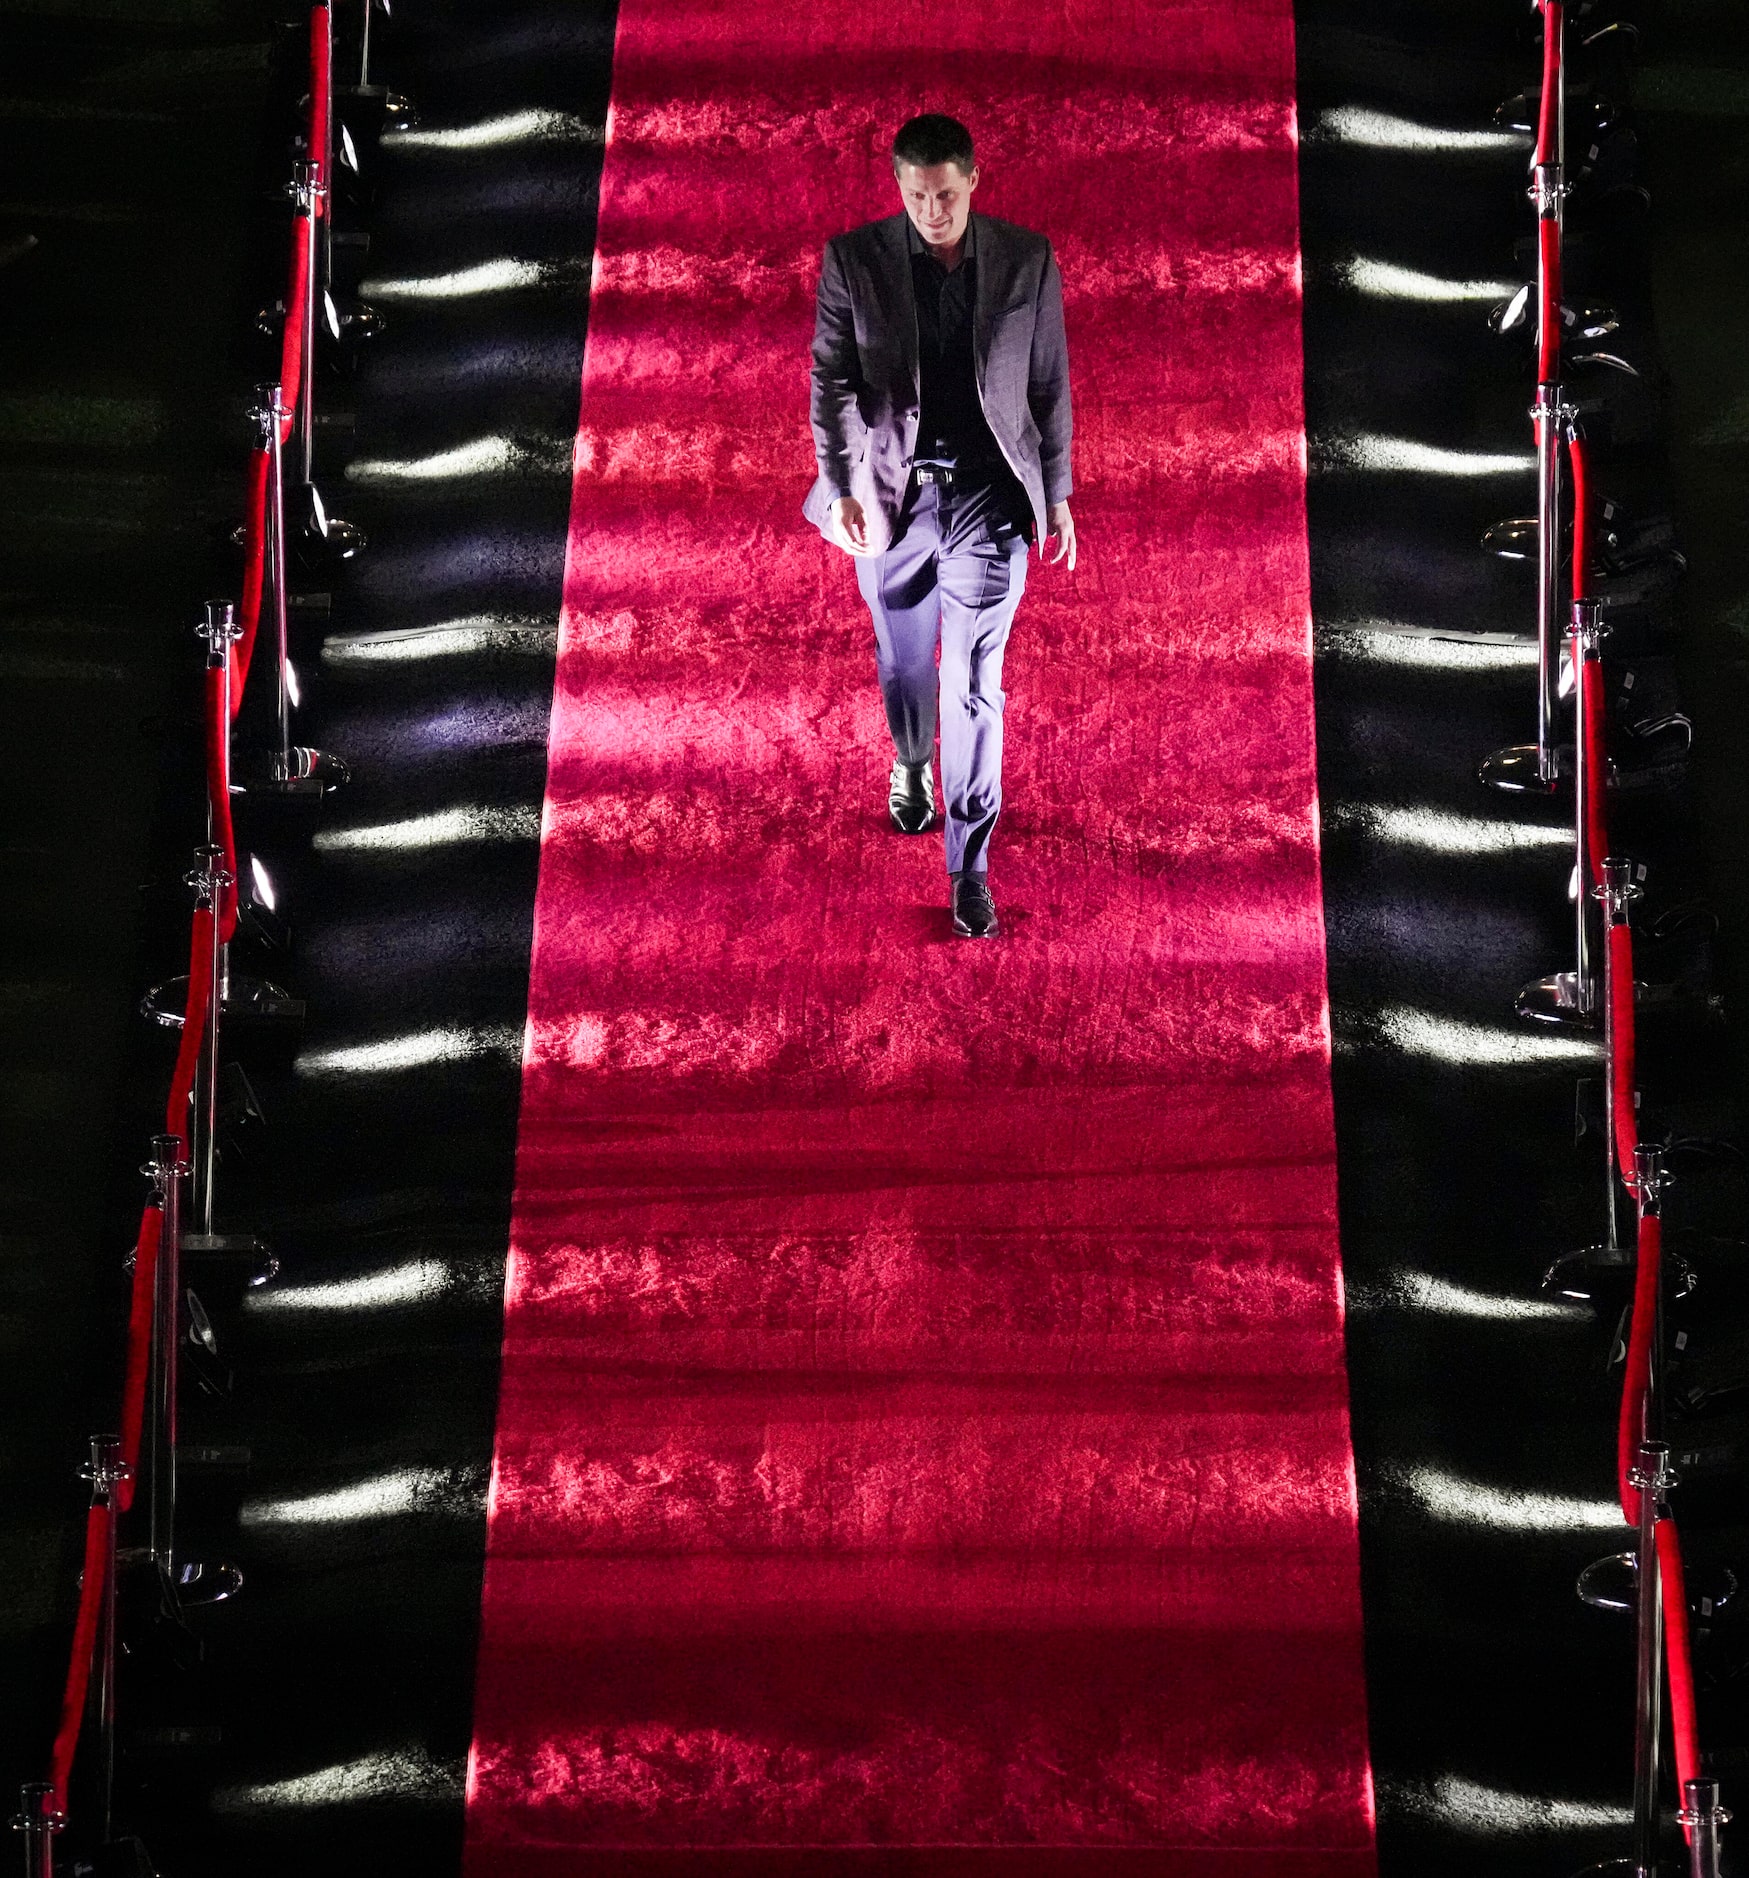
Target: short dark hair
{"x":932,"y":139}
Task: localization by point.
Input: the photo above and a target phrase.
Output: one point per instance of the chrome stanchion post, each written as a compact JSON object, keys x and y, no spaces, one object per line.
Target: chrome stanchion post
{"x":166,"y":1170}
{"x":368,"y":8}
{"x":1585,"y":638}
{"x":209,"y":880}
{"x":270,"y":414}
{"x":1546,"y":413}
{"x":1651,"y":1475}
{"x":1571,"y":997}
{"x":1617,"y":895}
{"x":38,"y":1819}
{"x":308,"y":188}
{"x":1535,"y":768}
{"x":220,"y":631}
{"x":1702,"y":1816}
{"x":106,"y":1472}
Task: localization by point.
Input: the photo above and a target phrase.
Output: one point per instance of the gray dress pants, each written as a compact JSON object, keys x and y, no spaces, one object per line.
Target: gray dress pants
{"x":952,"y":577}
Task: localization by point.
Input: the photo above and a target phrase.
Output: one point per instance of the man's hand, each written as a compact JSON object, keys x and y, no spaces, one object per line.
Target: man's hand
{"x":1060,"y":529}
{"x":849,"y":525}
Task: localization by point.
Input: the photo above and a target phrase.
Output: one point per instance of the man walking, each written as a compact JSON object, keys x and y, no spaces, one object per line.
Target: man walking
{"x":941,"y":422}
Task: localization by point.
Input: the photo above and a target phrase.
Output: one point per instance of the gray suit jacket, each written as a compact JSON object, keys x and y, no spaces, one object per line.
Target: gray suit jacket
{"x":865,"y":379}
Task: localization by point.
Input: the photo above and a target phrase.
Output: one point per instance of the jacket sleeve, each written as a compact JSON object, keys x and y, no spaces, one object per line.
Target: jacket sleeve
{"x":837,"y":376}
{"x":1047,"y":391}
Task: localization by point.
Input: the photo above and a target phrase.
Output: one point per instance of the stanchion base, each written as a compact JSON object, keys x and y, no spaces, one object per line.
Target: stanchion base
{"x":1517,"y":770}
{"x":1514,"y":540}
{"x":310,"y":775}
{"x":239,"y":1256}
{"x":1609,"y":1584}
{"x":247,"y":1000}
{"x":200,"y":1582}
{"x":326,"y":539}
{"x":1576,"y":1275}
{"x":1558,"y":1000}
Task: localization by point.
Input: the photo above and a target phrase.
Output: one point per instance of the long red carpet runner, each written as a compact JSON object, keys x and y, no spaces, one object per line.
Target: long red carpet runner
{"x":923,"y":1442}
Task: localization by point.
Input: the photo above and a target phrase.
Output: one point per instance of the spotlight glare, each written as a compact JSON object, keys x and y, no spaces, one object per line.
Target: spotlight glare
{"x":263,"y":884}
{"x":291,"y":684}
{"x":485,"y":456}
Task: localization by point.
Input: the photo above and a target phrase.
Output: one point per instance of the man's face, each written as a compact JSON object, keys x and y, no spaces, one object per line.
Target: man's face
{"x":938,"y":200}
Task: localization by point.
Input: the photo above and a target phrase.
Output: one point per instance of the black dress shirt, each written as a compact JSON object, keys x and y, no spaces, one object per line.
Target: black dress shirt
{"x":951,"y":429}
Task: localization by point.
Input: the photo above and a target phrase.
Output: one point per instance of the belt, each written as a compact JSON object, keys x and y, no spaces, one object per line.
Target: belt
{"x":953,"y":478}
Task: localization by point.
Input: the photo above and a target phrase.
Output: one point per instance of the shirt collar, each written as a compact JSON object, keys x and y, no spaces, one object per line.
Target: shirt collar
{"x":915,"y":243}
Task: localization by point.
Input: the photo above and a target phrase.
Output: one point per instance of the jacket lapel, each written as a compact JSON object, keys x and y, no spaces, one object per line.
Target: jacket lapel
{"x":898,"y":291}
{"x":988,"y":259}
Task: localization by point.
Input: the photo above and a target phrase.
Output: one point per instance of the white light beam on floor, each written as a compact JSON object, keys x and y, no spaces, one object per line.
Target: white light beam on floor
{"x":407,"y":1774}
{"x":1379,"y":130}
{"x":413,"y":1283}
{"x":447,"y":640}
{"x":1383,"y":280}
{"x":1468,"y":1806}
{"x":444,"y":828}
{"x":504,"y":276}
{"x":484,"y":456}
{"x":1438,"y":832}
{"x":417,"y":1050}
{"x":1389,"y":643}
{"x":1481,"y":1046}
{"x":1506,"y":1509}
{"x":385,"y":1496}
{"x":1440,"y":1297}
{"x":494,"y":133}
{"x":1404,"y":456}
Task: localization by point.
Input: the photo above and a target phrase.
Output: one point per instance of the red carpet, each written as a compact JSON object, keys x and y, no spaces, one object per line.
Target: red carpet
{"x":923,"y":1442}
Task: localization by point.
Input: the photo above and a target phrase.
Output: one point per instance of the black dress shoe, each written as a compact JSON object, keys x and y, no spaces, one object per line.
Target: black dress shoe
{"x":974,"y":912}
{"x":911,"y":797}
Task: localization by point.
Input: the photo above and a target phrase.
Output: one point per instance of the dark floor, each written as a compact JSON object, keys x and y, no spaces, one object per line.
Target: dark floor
{"x":330,"y":1718}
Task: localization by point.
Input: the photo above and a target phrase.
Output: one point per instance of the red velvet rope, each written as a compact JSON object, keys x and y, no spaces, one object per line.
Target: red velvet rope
{"x":1620,"y":941}
{"x":1580,"y":469}
{"x":133,"y":1389}
{"x":1546,"y":127}
{"x":321,"y":92}
{"x":1676,"y":1653}
{"x":200,"y":973}
{"x":1548,"y":365}
{"x":1596,"y":769}
{"x":84,"y":1646}
{"x":291,"y":347}
{"x":254,"y":573}
{"x":1633,"y":1392}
